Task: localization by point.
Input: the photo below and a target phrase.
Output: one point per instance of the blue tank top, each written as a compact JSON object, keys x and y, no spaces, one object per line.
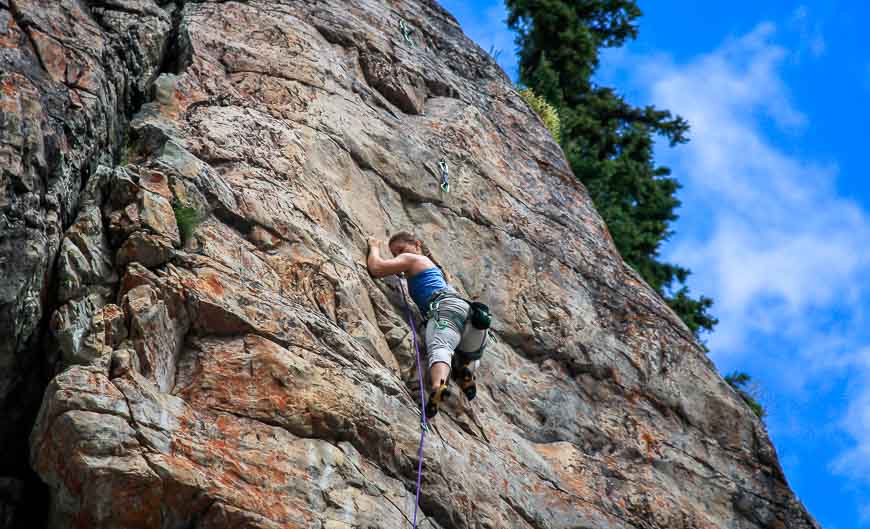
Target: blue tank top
{"x":424,"y":284}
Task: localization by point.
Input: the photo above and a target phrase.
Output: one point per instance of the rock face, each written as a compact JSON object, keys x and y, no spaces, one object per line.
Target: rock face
{"x":238,"y":367}
{"x":70,"y":73}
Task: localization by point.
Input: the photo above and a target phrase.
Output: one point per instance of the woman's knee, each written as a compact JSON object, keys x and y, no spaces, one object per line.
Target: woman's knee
{"x":440,"y":354}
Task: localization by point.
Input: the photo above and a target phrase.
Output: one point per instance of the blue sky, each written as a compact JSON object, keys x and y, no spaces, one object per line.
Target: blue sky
{"x":775,"y":222}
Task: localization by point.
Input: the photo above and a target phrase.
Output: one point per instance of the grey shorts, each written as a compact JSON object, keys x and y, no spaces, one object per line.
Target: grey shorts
{"x":444,"y":329}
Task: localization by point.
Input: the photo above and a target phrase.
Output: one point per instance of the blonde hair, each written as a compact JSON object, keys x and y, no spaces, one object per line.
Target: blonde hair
{"x":408,"y":237}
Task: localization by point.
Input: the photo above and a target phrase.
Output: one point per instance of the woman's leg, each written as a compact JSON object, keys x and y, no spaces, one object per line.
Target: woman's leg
{"x":438,"y":374}
{"x":441,"y":339}
{"x":443,"y":333}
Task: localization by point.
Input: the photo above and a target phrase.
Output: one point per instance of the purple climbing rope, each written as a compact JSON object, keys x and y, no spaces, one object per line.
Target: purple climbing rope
{"x":422,"y":403}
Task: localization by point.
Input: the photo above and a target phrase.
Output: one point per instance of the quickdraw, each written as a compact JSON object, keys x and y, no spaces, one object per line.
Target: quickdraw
{"x":445,"y":175}
{"x":406,"y":32}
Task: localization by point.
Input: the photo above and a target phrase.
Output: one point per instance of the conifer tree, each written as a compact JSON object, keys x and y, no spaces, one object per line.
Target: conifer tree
{"x":607,"y":141}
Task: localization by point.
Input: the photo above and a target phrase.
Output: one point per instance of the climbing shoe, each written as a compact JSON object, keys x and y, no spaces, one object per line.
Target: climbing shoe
{"x":467,"y":382}
{"x":462,"y":374}
{"x":436,"y":397}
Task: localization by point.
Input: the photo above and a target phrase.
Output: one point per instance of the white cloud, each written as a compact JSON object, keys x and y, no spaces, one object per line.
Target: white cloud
{"x":764,"y":230}
{"x":781,"y":242}
{"x":817,"y":45}
{"x":855,"y":462}
{"x":809,"y":32}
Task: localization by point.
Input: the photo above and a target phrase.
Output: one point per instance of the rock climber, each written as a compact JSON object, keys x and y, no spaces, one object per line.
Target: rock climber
{"x":446,"y":311}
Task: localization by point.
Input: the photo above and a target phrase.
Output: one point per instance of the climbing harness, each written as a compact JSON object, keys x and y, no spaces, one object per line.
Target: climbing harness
{"x":466,"y":356}
{"x":423,"y":424}
{"x":406,"y":31}
{"x":445,"y":175}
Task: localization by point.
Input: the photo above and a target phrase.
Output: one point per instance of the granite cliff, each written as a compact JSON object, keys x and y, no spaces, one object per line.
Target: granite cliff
{"x":242,"y":369}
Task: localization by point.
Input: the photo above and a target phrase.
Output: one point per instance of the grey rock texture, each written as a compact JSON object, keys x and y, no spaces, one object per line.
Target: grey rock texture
{"x":70,"y":74}
{"x":253,"y":374}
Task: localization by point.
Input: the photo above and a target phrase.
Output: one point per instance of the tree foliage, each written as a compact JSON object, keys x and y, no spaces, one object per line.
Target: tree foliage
{"x":608,"y":142}
{"x":741,"y":383}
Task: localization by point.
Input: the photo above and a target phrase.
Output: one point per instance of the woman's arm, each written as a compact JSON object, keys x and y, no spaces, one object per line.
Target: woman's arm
{"x":379,"y":267}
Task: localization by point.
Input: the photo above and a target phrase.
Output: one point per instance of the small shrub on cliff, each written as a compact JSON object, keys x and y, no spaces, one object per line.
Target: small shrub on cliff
{"x":740,"y":382}
{"x":547,"y":112}
{"x":187,"y":219}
